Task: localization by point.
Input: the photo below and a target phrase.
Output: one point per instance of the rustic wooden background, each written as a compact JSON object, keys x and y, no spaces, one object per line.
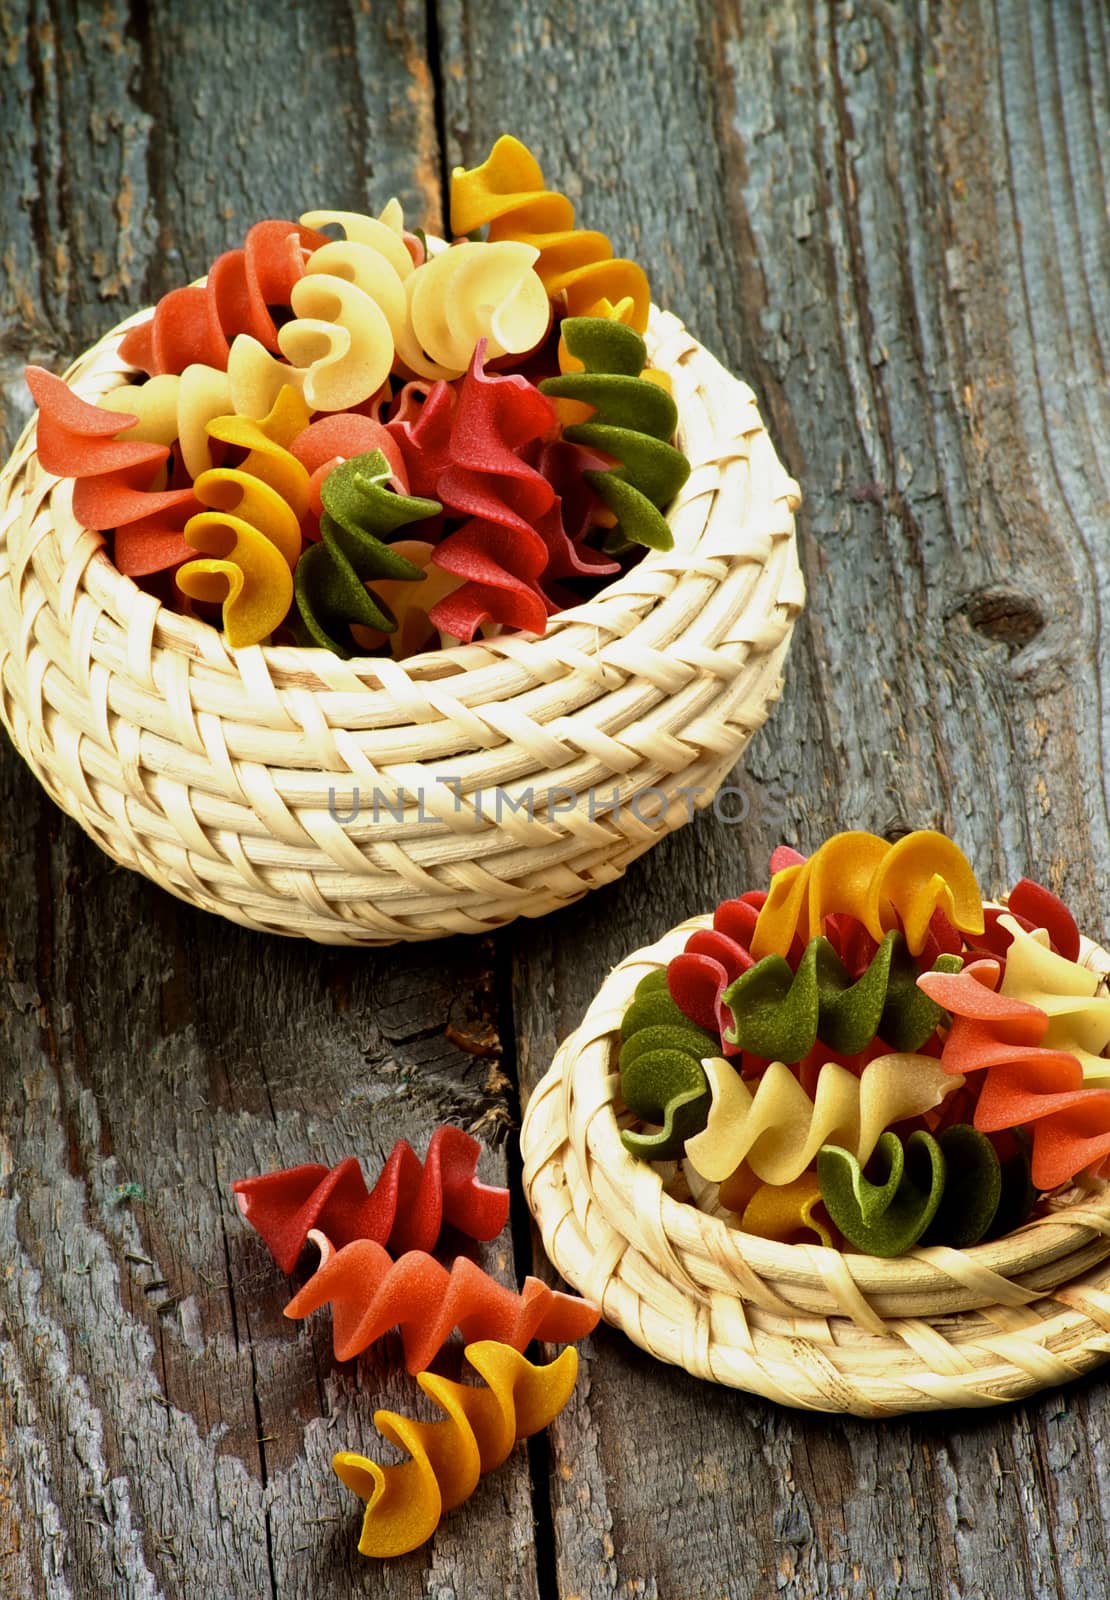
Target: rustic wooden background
{"x":892,"y":219}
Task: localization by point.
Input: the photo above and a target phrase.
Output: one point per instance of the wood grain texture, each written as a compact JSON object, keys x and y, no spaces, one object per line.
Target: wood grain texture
{"x":164,"y":1431}
{"x":892,"y":219}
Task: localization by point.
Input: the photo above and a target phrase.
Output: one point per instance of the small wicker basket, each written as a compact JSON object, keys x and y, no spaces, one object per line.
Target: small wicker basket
{"x":800,"y":1324}
{"x":365,"y":801}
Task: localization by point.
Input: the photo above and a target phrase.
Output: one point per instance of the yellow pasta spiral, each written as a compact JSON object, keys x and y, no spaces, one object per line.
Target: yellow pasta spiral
{"x":169,"y":407}
{"x":250,"y":534}
{"x":406,"y":1502}
{"x":507,"y":192}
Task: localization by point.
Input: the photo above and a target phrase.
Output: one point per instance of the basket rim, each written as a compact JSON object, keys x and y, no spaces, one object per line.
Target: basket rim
{"x":685,"y":1224}
{"x":205,"y":644}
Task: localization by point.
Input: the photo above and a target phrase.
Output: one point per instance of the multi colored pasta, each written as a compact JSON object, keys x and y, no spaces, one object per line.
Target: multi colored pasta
{"x":117,"y":481}
{"x":250,"y":531}
{"x":943,"y":1190}
{"x":879,"y":884}
{"x":779,"y":1012}
{"x":368,"y":324}
{"x":779,"y":1129}
{"x":865,"y":1053}
{"x":197,"y":323}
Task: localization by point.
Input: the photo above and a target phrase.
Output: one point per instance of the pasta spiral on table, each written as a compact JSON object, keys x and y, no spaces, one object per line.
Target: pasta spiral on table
{"x":198,"y":322}
{"x":369,"y":1293}
{"x":507,"y":192}
{"x":410,"y":1203}
{"x":405,"y":1503}
{"x":779,"y":1128}
{"x":332,"y":576}
{"x":633,"y":421}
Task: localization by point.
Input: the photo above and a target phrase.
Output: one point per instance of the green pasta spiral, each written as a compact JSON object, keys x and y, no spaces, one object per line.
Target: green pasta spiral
{"x":779,"y":1013}
{"x":634,"y":421}
{"x":952,"y":1190}
{"x":662,"y":1080}
{"x":360,"y":515}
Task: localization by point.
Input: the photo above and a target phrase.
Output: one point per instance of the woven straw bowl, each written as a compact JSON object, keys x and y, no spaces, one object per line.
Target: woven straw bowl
{"x":365,"y":801}
{"x":800,"y":1324}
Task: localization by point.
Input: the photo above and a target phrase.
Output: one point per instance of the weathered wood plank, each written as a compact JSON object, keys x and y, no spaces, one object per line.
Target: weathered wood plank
{"x":164,"y":1431}
{"x":893,"y":221}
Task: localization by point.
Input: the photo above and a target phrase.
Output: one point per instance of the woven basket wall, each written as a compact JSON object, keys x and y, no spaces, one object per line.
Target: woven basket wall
{"x":804,"y":1325}
{"x":231,"y":778}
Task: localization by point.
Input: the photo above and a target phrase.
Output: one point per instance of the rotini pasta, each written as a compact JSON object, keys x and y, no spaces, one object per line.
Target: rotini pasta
{"x":340,"y":339}
{"x":943,"y":1190}
{"x":197,"y":323}
{"x":173,"y":408}
{"x":882,"y":885}
{"x":469,"y":293}
{"x":498,"y":550}
{"x":407,"y":1208}
{"x":410,"y":603}
{"x":332,"y":577}
{"x":779,"y":1013}
{"x":662,"y":1081}
{"x":1078,"y":1014}
{"x":576,"y":267}
{"x":423,"y":436}
{"x":250,"y":534}
{"x":792,"y":1213}
{"x":632,"y":421}
{"x":1025,"y":1082}
{"x":115,"y":478}
{"x":405,"y":1503}
{"x":712,"y":959}
{"x":779,"y":1129}
{"x":369,"y":1293}
{"x":1032,"y":906}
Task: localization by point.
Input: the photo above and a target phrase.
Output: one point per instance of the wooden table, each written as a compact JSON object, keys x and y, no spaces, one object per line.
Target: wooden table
{"x":892,"y":219}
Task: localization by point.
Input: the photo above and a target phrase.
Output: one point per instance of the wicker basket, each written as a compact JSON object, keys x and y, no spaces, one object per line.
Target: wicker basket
{"x":486,"y":779}
{"x":800,"y":1324}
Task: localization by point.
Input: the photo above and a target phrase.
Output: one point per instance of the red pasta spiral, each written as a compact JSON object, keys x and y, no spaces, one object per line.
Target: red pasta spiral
{"x":369,"y":1294}
{"x":113,"y":477}
{"x":1025,"y":1082}
{"x":406,"y":1209}
{"x":198,"y":322}
{"x":498,"y":550}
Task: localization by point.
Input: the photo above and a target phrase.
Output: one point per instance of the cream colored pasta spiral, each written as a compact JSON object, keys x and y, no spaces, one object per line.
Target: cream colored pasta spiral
{"x":779,"y":1130}
{"x":471,"y":292}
